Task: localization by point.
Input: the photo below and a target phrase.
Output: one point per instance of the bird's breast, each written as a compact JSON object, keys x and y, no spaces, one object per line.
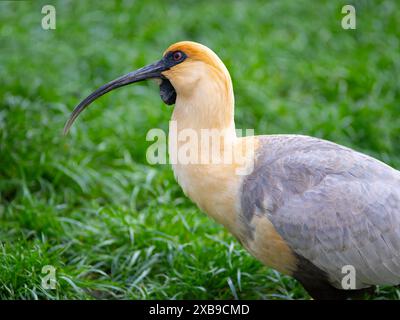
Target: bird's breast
{"x":213,"y":189}
{"x":217,"y":190}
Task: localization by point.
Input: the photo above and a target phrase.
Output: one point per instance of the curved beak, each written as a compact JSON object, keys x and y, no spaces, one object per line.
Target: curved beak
{"x":149,"y":72}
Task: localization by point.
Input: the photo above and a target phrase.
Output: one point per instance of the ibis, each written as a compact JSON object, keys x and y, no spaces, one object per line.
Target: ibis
{"x":307,"y":207}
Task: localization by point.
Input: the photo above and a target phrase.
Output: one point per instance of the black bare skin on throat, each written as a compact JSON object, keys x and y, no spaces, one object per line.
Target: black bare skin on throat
{"x":167,"y":92}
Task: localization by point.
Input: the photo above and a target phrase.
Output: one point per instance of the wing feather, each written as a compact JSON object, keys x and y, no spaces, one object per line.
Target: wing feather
{"x":332,"y":205}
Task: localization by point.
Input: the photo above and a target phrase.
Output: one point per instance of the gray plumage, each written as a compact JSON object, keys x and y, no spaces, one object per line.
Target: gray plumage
{"x":332,"y":205}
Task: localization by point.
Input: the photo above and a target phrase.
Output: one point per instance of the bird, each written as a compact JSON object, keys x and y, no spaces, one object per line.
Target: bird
{"x":306,"y":207}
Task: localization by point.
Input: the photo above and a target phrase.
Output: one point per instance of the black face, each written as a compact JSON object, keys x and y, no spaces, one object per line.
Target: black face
{"x":167,"y":91}
{"x":173,"y":58}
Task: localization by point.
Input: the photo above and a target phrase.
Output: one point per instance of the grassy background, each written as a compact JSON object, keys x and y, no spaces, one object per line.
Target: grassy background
{"x":90,"y":205}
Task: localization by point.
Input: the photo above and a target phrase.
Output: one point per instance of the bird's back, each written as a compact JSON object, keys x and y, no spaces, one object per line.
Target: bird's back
{"x":333,"y":206}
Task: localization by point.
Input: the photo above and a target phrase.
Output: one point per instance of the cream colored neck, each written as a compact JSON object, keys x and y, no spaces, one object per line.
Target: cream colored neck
{"x":208,"y":108}
{"x":213,"y":187}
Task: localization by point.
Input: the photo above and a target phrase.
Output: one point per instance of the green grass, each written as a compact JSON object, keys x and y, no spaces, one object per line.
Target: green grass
{"x":89,"y":204}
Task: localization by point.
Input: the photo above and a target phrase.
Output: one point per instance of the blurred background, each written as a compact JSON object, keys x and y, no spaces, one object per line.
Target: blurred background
{"x":89,"y":204}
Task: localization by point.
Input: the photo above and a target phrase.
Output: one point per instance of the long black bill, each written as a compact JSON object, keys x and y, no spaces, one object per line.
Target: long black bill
{"x":151,"y":71}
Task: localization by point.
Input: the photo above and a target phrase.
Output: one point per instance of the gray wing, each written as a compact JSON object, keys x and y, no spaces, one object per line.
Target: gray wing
{"x":332,"y":205}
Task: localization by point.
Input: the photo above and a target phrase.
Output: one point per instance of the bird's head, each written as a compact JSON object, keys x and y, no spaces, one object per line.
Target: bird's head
{"x":186,"y":70}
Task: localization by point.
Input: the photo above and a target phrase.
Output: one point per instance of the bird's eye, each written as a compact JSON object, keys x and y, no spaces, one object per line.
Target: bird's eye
{"x":177,"y":55}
